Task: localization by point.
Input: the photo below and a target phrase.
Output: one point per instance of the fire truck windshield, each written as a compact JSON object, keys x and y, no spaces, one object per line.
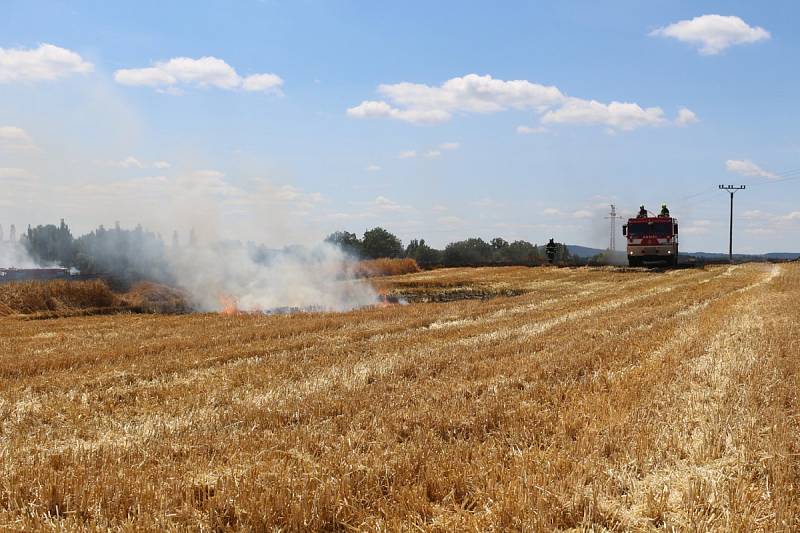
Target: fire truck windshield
{"x":661,"y":229}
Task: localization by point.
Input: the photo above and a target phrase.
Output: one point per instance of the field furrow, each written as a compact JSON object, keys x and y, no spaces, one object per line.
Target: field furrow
{"x":590,"y":398}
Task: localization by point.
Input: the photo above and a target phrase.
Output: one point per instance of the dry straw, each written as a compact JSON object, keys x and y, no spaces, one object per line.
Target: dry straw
{"x":592,"y":400}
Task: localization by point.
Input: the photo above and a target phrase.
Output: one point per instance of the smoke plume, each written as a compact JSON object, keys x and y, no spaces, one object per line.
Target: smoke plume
{"x":319,"y":278}
{"x":14,"y":255}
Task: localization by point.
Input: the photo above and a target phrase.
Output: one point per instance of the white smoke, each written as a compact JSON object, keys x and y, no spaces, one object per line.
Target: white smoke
{"x":14,"y":255}
{"x":292,"y":279}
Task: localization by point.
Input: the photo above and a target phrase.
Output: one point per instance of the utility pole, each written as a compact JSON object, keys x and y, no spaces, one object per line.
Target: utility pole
{"x":613,"y":217}
{"x":731,"y":190}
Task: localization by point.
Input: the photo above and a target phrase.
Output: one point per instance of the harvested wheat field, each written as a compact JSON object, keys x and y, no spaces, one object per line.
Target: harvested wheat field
{"x":536,"y":399}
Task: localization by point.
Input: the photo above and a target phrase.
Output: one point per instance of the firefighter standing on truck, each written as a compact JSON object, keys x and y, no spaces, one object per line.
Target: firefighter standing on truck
{"x":642,"y":212}
{"x":664,"y":211}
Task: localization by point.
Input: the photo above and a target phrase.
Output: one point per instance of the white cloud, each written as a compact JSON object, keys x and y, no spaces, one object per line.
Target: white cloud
{"x":129,"y":162}
{"x":616,"y":115}
{"x":760,"y":231}
{"x":14,"y":138}
{"x":551,"y":211}
{"x":47,"y":62}
{"x":713,"y":33}
{"x":419,"y":103}
{"x":432,"y":153}
{"x":373,"y":109}
{"x":487,"y":203}
{"x":697,"y":227}
{"x":582,"y":213}
{"x":134,"y":162}
{"x":473,"y":93}
{"x":755,"y":214}
{"x":203,"y":72}
{"x":685,"y":117}
{"x":746,"y":167}
{"x":262,"y":82}
{"x":209,"y":174}
{"x":14,"y":173}
{"x":694,"y":230}
{"x":148,"y":77}
{"x":451,"y":221}
{"x":527,"y":130}
{"x":373,"y":168}
{"x":385,"y":204}
{"x":470,"y":93}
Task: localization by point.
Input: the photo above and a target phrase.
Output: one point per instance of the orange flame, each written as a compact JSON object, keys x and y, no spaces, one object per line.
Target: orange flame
{"x":228,"y":304}
{"x":383,"y":301}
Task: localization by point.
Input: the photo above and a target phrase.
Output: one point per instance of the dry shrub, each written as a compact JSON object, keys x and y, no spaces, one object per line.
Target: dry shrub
{"x":386,"y":267}
{"x":151,"y":297}
{"x":59,"y":296}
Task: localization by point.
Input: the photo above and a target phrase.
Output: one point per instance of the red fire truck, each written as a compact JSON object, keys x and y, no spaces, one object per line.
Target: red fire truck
{"x":652,"y":239}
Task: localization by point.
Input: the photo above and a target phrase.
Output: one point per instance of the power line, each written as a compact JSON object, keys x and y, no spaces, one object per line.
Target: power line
{"x":731,"y":189}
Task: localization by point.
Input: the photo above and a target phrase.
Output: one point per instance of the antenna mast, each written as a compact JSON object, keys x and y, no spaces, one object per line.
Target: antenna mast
{"x":612,"y":244}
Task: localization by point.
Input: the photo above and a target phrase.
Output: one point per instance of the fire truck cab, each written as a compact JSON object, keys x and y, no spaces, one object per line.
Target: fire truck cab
{"x":652,"y":240}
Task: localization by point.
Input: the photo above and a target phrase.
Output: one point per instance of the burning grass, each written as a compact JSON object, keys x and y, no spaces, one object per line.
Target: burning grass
{"x":151,"y":297}
{"x":591,"y":400}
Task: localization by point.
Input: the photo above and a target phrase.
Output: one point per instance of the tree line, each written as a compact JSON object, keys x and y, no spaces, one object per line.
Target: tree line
{"x":378,"y":243}
{"x":126,"y":254}
{"x":135,"y":254}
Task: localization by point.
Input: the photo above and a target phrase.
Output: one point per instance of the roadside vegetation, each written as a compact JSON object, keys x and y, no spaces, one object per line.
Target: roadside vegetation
{"x":371,"y":268}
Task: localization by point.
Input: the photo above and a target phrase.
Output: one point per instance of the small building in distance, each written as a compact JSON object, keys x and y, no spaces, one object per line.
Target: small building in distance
{"x":33,"y":274}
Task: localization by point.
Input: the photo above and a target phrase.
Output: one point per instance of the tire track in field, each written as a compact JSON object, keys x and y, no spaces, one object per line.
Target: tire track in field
{"x":590,"y":288}
{"x":734,"y":348}
{"x":531,"y":330}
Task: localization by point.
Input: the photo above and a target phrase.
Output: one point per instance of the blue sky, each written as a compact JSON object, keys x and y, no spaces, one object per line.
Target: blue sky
{"x":291,"y":154}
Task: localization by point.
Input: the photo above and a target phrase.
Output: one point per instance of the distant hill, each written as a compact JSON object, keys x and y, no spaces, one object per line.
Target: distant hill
{"x":583,"y":251}
{"x":586,"y":252}
{"x":783,"y":255}
{"x":745,"y":257}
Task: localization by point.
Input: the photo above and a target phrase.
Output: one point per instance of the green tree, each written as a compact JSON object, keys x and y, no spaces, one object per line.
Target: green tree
{"x":518,"y":253}
{"x":423,"y":254}
{"x":50,"y":244}
{"x":127,"y":255}
{"x":562,"y":254}
{"x":470,"y":252}
{"x":498,"y":243}
{"x":379,"y":243}
{"x":348,"y":242}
